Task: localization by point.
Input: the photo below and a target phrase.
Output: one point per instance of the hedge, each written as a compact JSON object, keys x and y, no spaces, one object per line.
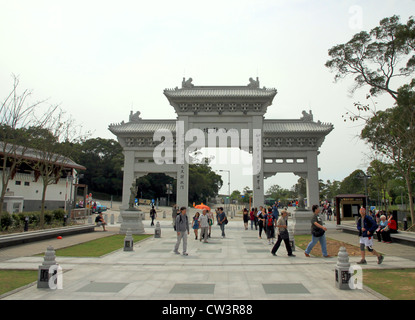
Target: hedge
{"x":17,"y":220}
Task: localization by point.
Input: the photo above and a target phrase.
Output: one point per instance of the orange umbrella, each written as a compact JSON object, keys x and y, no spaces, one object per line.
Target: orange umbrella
{"x":202,"y":206}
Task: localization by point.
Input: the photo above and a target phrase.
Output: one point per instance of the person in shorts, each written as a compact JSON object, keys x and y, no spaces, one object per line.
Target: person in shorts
{"x":367,"y":226}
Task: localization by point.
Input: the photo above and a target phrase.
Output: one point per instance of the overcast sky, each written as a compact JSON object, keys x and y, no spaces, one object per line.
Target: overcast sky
{"x":101,"y":59}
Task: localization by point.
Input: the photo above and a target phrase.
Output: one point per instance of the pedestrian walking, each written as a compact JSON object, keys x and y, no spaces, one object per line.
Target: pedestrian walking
{"x":317,"y":233}
{"x":245,"y":218}
{"x":182,"y":229}
{"x":211,"y":221}
{"x":195,"y":224}
{"x":252,"y":218}
{"x":222,"y":220}
{"x":283,"y":235}
{"x":367,"y":226}
{"x":270,"y":227}
{"x":204,"y":225}
{"x":261,"y":221}
{"x":153,"y":215}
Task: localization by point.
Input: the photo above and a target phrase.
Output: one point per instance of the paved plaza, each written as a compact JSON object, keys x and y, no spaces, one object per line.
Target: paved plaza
{"x":239,"y":266}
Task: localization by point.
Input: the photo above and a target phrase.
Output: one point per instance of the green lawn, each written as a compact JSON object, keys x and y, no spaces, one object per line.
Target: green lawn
{"x":98,"y":247}
{"x":395,"y":284}
{"x":13,"y":279}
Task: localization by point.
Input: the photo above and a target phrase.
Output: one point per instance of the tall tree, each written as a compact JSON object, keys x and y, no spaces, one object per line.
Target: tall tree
{"x":380,"y":173}
{"x":392,"y":133}
{"x":50,"y":146}
{"x":17,"y":113}
{"x":376,"y":57}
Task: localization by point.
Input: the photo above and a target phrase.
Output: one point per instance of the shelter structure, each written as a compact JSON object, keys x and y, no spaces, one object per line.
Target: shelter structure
{"x":348,"y":205}
{"x":222,"y":116}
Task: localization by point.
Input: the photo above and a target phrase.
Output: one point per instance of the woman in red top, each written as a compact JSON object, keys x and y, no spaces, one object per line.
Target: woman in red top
{"x":392,"y":224}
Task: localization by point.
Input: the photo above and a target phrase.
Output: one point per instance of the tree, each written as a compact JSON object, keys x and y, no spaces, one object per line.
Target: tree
{"x":353,"y":184}
{"x":17,"y":113}
{"x":380,"y":173}
{"x":329,"y":190}
{"x":104,"y":160}
{"x":392,"y":134}
{"x":205,"y":182}
{"x":377,"y":57}
{"x":50,"y":147}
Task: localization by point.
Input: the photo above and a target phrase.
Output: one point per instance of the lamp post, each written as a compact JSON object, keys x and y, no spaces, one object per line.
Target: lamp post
{"x":365,"y":177}
{"x":229,"y":187}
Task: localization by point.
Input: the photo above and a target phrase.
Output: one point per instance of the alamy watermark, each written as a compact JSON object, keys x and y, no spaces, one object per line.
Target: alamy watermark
{"x":356,"y":277}
{"x":56,"y":278}
{"x":182,"y":144}
{"x":356,"y":18}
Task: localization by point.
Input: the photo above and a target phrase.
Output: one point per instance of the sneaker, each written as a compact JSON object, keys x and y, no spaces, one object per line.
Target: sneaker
{"x":185,"y":253}
{"x":328,"y":256}
{"x":362,"y":262}
{"x":307,"y":255}
{"x":291,"y":255}
{"x":176,"y":252}
{"x":274,"y":254}
{"x":380,"y":259}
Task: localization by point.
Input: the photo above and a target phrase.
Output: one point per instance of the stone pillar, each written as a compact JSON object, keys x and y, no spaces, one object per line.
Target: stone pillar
{"x":128,"y":241}
{"x":182,"y":188}
{"x":128,"y":179}
{"x":44,"y":273}
{"x":342,"y":270}
{"x":257,"y":162}
{"x":157,"y":230}
{"x":313,"y":188}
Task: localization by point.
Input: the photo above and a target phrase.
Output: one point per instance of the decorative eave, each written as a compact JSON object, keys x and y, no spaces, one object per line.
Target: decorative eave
{"x":205,"y":100}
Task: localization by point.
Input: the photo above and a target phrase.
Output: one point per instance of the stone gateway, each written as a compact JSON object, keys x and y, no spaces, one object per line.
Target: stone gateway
{"x":235,"y":116}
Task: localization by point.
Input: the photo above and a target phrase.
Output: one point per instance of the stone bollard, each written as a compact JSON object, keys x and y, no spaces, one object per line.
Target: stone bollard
{"x":157,"y":230}
{"x":342,"y":270}
{"x":291,"y":240}
{"x":164,"y":214}
{"x":89,"y":219}
{"x":44,"y":273}
{"x":128,"y":241}
{"x":112,"y":218}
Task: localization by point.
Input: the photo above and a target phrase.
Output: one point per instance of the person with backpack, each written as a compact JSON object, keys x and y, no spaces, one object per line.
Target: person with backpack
{"x":182,"y":229}
{"x":222,"y":220}
{"x":367,"y":226}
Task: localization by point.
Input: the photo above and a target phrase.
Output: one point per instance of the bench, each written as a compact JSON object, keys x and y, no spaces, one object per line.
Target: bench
{"x":402,"y":237}
{"x":31,"y":236}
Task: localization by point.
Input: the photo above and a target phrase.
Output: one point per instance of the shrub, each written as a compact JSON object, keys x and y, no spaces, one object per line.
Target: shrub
{"x":58,"y":214}
{"x":6,"y":220}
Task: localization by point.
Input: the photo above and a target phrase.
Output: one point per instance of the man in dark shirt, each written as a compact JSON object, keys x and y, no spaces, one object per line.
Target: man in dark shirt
{"x":221,"y":220}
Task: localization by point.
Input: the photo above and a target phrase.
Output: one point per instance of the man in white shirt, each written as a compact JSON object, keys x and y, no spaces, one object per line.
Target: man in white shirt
{"x":204,"y":225}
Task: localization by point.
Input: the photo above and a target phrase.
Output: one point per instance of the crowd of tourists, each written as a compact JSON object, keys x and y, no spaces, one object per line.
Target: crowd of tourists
{"x":273,"y":224}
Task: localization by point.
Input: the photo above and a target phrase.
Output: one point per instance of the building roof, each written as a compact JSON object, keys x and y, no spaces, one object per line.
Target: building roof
{"x":288,"y":126}
{"x":270,"y":126}
{"x":220,"y":92}
{"x":35,"y":155}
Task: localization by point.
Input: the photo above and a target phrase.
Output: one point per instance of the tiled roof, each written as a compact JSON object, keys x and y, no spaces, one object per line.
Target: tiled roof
{"x":270,"y":126}
{"x":143,"y":126}
{"x":220,"y":92}
{"x":284,"y":126}
{"x":33,"y":154}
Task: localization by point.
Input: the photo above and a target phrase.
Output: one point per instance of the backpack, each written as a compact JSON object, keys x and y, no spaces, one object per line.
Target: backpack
{"x":269,"y":224}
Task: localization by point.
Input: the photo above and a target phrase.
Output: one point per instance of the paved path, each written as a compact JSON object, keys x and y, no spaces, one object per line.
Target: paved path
{"x":237,"y":267}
